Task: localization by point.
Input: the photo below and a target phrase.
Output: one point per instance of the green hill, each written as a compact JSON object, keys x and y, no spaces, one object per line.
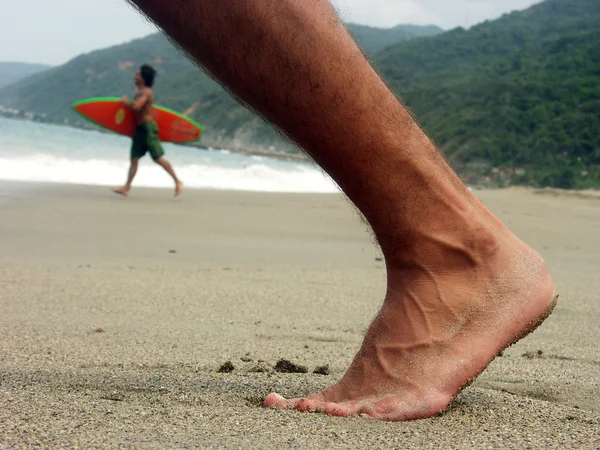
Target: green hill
{"x":11,"y":72}
{"x":522,"y":91}
{"x":180,"y":86}
{"x":100,"y":73}
{"x":373,"y":39}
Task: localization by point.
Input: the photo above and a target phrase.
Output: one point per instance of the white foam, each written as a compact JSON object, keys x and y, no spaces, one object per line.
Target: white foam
{"x":31,"y":151}
{"x":258,"y":176}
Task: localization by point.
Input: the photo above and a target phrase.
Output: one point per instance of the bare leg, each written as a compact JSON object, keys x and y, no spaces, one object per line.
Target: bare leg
{"x":167,"y":166}
{"x":124,"y":190}
{"x":461,"y":287}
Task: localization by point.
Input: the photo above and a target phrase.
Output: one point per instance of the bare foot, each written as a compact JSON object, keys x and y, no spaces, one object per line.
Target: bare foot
{"x":437,"y":330}
{"x":178,"y":188}
{"x":122,"y":190}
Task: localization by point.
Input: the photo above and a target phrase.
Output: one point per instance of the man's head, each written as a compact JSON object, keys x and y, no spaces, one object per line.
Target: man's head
{"x":145,"y":76}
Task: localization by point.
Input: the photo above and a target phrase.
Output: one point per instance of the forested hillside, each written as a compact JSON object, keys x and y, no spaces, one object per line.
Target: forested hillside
{"x":522,"y":91}
{"x":11,"y":72}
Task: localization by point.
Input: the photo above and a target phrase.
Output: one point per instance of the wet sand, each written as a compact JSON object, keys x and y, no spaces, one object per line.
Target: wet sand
{"x":117,"y":314}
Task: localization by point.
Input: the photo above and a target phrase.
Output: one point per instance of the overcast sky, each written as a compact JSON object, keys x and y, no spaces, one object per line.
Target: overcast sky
{"x":54,"y":31}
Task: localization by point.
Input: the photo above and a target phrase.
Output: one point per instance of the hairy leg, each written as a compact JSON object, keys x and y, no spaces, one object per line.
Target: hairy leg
{"x":460,"y":287}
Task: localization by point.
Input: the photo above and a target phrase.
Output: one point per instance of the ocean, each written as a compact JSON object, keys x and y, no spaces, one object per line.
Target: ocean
{"x":31,"y":151}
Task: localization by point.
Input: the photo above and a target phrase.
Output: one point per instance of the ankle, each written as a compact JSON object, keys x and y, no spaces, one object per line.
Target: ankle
{"x":457,"y":246}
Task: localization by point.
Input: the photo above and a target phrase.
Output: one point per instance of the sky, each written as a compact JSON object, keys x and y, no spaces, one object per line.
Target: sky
{"x":54,"y":31}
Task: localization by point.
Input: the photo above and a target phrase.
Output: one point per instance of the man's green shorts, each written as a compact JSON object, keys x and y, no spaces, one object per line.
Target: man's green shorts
{"x":145,"y":139}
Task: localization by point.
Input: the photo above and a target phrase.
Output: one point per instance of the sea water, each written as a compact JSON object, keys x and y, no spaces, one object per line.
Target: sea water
{"x":31,"y":151}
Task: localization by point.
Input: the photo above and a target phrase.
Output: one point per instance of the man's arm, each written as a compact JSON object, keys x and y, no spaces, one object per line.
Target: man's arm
{"x":137,"y":103}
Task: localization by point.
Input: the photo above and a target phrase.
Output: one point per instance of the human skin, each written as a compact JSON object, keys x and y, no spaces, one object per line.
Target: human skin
{"x":461,"y":287}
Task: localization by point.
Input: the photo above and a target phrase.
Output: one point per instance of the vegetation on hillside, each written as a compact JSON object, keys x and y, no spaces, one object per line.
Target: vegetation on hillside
{"x":11,"y":72}
{"x":373,"y":39}
{"x":520,"y":92}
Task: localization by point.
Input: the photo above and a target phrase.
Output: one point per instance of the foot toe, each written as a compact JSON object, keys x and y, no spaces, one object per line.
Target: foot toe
{"x":274,"y":400}
{"x":306,"y":405}
{"x":341,"y":409}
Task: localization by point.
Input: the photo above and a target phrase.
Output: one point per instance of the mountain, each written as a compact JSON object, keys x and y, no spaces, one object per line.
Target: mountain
{"x":101,"y":73}
{"x":11,"y":72}
{"x":522,"y":91}
{"x":373,"y":39}
{"x":180,"y":85}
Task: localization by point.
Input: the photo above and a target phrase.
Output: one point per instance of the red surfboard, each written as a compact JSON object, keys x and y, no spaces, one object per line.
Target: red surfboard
{"x":110,"y":113}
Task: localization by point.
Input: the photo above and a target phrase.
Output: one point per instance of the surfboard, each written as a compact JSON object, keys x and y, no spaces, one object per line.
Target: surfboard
{"x":110,"y":113}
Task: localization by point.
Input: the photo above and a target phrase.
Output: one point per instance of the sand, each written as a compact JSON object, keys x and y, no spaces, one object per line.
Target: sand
{"x":116,"y":315}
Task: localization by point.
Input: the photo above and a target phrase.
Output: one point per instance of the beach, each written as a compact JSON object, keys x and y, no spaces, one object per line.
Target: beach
{"x":118,"y":316}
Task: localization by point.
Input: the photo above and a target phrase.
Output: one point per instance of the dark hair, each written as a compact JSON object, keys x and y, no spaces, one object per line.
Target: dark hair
{"x":147,"y":73}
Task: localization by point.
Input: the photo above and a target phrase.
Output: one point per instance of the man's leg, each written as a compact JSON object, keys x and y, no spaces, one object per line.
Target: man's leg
{"x":157,"y":152}
{"x":461,"y":287}
{"x":162,"y":162}
{"x":124,"y":190}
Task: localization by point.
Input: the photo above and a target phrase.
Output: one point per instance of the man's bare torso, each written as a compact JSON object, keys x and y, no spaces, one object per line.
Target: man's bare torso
{"x":144,"y":114}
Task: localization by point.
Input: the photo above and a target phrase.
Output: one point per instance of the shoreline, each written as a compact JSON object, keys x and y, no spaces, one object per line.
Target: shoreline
{"x":300,"y":156}
{"x":186,"y":188}
{"x":258,"y":152}
{"x":551,"y":192}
